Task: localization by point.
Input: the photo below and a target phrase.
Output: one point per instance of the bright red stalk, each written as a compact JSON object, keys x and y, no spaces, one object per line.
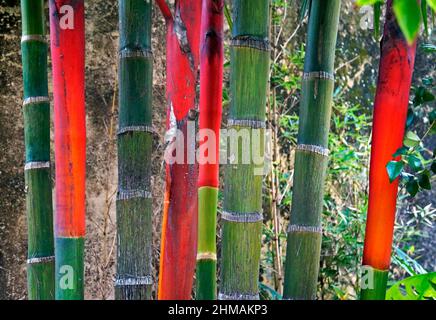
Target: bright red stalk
{"x":68,"y":59}
{"x":390,"y":112}
{"x":211,"y":80}
{"x":67,"y":34}
{"x":164,"y":9}
{"x":179,"y":229}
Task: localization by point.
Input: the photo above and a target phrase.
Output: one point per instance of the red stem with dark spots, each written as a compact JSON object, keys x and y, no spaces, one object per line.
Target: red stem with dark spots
{"x":211,"y":79}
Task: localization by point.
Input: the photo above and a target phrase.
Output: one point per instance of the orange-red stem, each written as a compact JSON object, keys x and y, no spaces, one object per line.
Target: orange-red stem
{"x":390,"y":112}
{"x":67,"y":32}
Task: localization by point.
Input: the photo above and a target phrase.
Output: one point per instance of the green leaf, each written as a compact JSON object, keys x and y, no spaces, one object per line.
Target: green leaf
{"x":305,"y":8}
{"x":432,"y":116}
{"x":418,"y":99}
{"x":408,"y":16}
{"x":414,"y":163}
{"x":424,"y":16}
{"x":367,"y":2}
{"x":428,"y":81}
{"x":432,"y":128}
{"x":412,"y":186}
{"x":405,"y":261}
{"x":411,"y":140}
{"x":401,"y":152}
{"x":394,"y":169}
{"x":228,"y":16}
{"x":428,"y":47}
{"x":410,"y":118}
{"x":421,"y":287}
{"x":424,"y":180}
{"x":377,"y":14}
{"x":432,"y":4}
{"x":427,"y":96}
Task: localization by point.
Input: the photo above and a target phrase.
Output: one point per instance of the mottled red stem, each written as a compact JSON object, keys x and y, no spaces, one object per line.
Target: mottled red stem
{"x":179,"y":229}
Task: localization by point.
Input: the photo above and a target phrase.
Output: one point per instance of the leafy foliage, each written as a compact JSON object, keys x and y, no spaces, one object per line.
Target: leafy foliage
{"x":421,"y":287}
{"x":410,"y":265}
{"x":412,"y":161}
{"x":409,"y":15}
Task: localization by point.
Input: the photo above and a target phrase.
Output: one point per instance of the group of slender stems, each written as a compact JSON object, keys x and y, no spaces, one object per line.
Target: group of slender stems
{"x":195,"y":40}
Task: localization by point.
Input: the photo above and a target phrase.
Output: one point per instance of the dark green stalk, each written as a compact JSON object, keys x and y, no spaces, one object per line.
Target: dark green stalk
{"x":36,"y":110}
{"x":134,"y":203}
{"x":206,"y":256}
{"x":242,"y":212}
{"x":69,"y":275}
{"x":304,"y":233}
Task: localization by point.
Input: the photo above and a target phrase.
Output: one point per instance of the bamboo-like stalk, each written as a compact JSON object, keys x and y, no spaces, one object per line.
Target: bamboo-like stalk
{"x":179,"y":226}
{"x":134,"y":202}
{"x":36,"y":111}
{"x":67,"y":41}
{"x":242,"y":212}
{"x":390,"y":113}
{"x":211,"y":78}
{"x":273,"y":115}
{"x":275,"y":194}
{"x":304,"y":233}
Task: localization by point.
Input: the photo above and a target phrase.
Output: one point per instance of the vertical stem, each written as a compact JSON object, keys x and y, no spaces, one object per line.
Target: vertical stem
{"x":211,"y":78}
{"x":179,"y":226}
{"x":275,"y":182}
{"x":242,"y":212}
{"x":275,"y":188}
{"x":304,"y":233}
{"x":134,"y":202}
{"x":390,"y":113}
{"x":67,"y":35}
{"x":36,"y":112}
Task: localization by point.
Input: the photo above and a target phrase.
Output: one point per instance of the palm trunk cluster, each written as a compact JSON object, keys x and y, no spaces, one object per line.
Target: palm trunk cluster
{"x":195,"y":41}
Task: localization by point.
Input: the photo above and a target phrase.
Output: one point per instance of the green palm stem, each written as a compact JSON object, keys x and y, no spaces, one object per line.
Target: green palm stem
{"x":304,"y":233}
{"x":36,"y":110}
{"x":242,"y":212}
{"x":134,"y":202}
{"x":206,"y":254}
